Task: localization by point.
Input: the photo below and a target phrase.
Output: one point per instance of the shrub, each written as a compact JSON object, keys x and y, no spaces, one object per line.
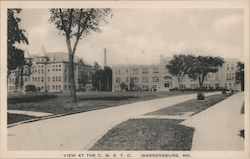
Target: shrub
{"x":30,"y":88}
{"x":200,"y":96}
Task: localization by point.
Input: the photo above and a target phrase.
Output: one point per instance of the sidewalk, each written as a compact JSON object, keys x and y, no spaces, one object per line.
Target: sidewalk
{"x":217,"y":128}
{"x":80,"y":131}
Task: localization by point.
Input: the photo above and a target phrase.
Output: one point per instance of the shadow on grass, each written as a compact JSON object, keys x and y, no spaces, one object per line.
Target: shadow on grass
{"x":147,"y":134}
{"x":30,"y":99}
{"x":108,"y":98}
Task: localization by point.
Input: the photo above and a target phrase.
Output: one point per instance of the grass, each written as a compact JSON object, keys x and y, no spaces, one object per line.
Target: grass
{"x":147,"y":134}
{"x":86,"y":101}
{"x":13,"y":118}
{"x":29,"y":99}
{"x":192,"y":105}
{"x":156,"y":134}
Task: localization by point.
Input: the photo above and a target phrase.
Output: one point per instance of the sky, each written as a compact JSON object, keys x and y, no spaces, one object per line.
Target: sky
{"x":141,"y":35}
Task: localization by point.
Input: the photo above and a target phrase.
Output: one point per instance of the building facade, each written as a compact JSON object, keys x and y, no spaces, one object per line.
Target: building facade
{"x":49,"y":72}
{"x":157,"y":77}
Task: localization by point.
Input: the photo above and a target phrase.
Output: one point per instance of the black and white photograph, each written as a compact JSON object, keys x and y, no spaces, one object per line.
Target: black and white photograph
{"x":125,"y":79}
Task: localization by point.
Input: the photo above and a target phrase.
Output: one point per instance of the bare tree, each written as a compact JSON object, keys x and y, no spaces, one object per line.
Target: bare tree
{"x":75,"y":24}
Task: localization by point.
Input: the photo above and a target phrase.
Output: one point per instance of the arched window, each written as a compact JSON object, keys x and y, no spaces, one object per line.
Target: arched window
{"x":168,"y":78}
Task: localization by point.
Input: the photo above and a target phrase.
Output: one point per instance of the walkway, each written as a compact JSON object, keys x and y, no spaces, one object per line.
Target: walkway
{"x":80,"y":131}
{"x":29,"y":113}
{"x":217,"y":127}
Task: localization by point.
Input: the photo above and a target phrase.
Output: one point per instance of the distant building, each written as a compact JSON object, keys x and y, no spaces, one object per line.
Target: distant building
{"x":157,"y":77}
{"x":49,"y":72}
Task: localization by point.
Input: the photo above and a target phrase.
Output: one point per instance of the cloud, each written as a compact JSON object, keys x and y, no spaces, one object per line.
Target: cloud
{"x":155,"y":31}
{"x":227,"y":23}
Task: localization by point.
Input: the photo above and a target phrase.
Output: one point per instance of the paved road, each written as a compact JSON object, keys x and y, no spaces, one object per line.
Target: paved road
{"x":80,"y":131}
{"x":217,"y":128}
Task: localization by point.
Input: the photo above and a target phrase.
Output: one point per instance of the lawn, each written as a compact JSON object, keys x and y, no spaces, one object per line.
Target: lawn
{"x":147,"y":134}
{"x":13,"y":118}
{"x":156,"y":134}
{"x":191,"y":105}
{"x":87,"y":101}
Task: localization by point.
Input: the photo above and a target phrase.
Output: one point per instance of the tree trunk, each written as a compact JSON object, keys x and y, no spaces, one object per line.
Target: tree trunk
{"x":71,"y":70}
{"x":72,"y":78}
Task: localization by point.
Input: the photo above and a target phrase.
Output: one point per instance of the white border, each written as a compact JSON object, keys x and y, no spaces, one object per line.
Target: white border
{"x":244,"y":4}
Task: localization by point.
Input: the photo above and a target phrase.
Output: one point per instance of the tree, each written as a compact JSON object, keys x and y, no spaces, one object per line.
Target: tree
{"x":15,"y":35}
{"x":179,"y":66}
{"x":239,"y":75}
{"x":16,"y":60}
{"x":131,"y":84}
{"x":75,"y":24}
{"x":201,"y":66}
{"x":107,"y":79}
{"x":102,"y":78}
{"x":30,"y":88}
{"x":96,"y":78}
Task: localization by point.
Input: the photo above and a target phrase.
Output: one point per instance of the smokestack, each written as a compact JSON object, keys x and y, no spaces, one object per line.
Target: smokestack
{"x":105,"y":57}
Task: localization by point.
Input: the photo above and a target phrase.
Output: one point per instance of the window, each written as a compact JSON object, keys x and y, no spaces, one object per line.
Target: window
{"x":155,"y":79}
{"x":135,"y":80}
{"x":216,"y":77}
{"x":127,"y":79}
{"x":56,"y":78}
{"x":183,"y":86}
{"x":145,"y":87}
{"x":232,"y":66}
{"x":230,"y":76}
{"x":155,"y":70}
{"x":135,"y":71}
{"x":227,"y":66}
{"x":194,"y":85}
{"x":145,"y":71}
{"x":42,"y":79}
{"x":118,"y":72}
{"x":48,"y":87}
{"x":118,"y":80}
{"x":48,"y":79}
{"x":127,"y":71}
{"x":53,"y":79}
{"x":144,"y":79}
{"x":59,"y":78}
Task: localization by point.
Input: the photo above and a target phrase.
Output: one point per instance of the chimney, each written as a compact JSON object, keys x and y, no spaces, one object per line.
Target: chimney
{"x":105,"y":57}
